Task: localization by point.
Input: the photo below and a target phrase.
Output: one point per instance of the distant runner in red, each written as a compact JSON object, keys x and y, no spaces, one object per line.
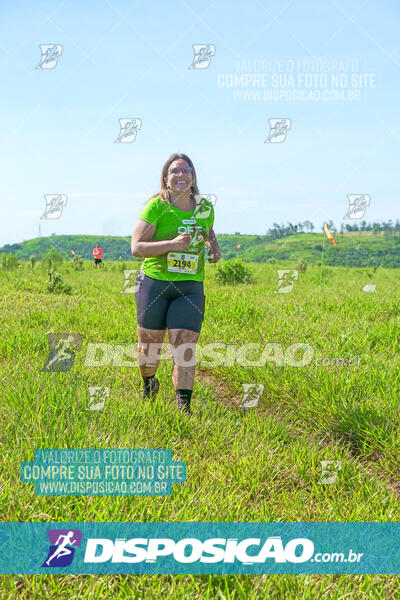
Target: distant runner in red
{"x":97,"y":255}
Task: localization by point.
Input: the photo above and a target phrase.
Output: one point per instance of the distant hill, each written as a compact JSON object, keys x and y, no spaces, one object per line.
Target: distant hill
{"x":113,"y":246}
{"x":361,"y":249}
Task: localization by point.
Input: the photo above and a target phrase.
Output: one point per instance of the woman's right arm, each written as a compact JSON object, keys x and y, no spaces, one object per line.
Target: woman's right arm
{"x":143,"y":247}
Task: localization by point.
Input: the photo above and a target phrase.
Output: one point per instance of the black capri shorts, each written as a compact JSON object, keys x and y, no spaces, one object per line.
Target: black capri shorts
{"x":169,"y":304}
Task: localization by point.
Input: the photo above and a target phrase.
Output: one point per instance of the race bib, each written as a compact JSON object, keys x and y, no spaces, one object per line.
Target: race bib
{"x":179,"y":262}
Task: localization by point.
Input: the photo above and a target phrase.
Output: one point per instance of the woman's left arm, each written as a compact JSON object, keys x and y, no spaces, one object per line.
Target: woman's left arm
{"x":214,"y":248}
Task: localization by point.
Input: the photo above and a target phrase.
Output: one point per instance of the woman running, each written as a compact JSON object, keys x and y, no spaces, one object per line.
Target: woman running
{"x":170,"y":234}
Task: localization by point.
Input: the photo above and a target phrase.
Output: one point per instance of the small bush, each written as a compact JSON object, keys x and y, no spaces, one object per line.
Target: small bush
{"x":56,"y":285}
{"x":233,"y":271}
{"x":77,"y":262}
{"x":121,"y":264}
{"x":301,"y":265}
{"x":52,"y":257}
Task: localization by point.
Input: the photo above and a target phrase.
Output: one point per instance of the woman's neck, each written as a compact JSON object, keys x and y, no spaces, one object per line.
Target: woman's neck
{"x":183,"y":202}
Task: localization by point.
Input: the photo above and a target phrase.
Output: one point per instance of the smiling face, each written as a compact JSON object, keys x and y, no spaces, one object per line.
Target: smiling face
{"x":179,"y":177}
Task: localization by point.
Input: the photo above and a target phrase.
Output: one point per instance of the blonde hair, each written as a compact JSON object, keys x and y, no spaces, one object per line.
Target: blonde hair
{"x":164,"y":193}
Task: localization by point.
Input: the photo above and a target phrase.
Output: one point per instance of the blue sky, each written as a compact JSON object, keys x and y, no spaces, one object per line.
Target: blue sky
{"x":131,"y":59}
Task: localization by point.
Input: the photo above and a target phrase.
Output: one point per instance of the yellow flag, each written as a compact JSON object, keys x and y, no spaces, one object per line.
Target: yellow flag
{"x":329,"y":235}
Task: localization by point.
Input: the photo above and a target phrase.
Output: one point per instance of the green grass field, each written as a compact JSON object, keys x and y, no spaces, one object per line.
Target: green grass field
{"x":260,"y":464}
{"x":355,"y":249}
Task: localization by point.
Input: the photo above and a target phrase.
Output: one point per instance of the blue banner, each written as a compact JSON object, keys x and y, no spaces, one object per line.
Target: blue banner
{"x":199,"y":548}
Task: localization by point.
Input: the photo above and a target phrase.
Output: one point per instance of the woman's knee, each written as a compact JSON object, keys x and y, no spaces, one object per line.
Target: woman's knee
{"x":182,"y":336}
{"x":150,"y":335}
{"x":183,"y":342}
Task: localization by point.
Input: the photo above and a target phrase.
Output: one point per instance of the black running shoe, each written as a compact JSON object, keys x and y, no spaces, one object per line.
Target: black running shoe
{"x":184,"y":405}
{"x":151,"y":390}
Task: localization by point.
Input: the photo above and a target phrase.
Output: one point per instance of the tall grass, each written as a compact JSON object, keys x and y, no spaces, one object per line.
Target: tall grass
{"x":260,"y":464}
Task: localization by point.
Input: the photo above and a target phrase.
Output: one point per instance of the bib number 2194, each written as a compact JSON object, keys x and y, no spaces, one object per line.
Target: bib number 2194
{"x":178,"y":262}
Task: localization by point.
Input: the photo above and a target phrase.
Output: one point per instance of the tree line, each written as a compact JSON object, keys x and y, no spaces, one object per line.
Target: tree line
{"x":282,"y":230}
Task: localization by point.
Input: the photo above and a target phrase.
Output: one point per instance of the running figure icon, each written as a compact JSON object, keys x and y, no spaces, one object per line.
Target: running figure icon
{"x":62,"y":549}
